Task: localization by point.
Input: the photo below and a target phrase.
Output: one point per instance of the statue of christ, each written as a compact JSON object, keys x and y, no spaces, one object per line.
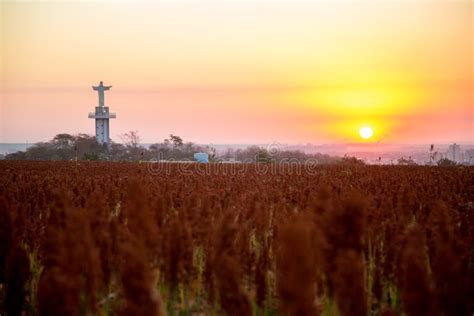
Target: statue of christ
{"x":101,"y":88}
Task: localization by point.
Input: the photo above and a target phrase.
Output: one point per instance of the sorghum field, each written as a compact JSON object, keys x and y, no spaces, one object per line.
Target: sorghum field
{"x":102,"y":238}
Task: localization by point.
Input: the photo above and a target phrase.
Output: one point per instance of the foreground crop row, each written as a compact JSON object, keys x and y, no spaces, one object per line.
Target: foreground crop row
{"x":114,"y":238}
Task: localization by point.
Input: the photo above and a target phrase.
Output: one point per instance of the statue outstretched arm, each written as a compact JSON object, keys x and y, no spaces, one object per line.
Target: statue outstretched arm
{"x":95,"y":88}
{"x":107,"y":87}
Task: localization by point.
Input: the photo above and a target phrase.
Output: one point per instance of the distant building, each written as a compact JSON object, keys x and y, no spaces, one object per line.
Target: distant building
{"x":454,"y":153}
{"x":469,"y":156}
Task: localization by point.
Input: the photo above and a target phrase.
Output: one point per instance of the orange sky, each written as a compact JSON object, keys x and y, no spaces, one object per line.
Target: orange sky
{"x":240,"y":71}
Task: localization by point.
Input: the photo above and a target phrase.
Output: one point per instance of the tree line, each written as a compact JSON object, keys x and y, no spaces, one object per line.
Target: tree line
{"x":85,"y":147}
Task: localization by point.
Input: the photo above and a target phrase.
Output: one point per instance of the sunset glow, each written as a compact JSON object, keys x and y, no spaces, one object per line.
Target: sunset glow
{"x":241,"y":71}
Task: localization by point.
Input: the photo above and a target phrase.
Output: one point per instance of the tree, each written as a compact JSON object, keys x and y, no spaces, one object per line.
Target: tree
{"x":87,"y":148}
{"x":63,"y":147}
{"x":133,"y":150}
{"x":353,"y":161}
{"x":445,"y":162}
{"x":131,"y":139}
{"x":63,"y":140}
{"x":176,"y":140}
{"x":406,"y":162}
{"x":263,"y":156}
{"x":117,"y":152}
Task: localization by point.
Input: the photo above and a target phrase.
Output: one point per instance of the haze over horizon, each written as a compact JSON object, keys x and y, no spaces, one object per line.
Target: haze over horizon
{"x":240,"y":72}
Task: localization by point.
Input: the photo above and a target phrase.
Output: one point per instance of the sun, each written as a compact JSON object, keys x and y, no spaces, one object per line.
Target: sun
{"x":366,"y":132}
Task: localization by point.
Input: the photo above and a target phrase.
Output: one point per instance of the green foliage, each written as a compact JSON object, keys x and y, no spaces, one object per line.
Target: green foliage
{"x":351,"y":161}
{"x":176,"y":140}
{"x":85,"y":147}
{"x":63,"y":147}
{"x":445,"y":162}
{"x":406,"y":162}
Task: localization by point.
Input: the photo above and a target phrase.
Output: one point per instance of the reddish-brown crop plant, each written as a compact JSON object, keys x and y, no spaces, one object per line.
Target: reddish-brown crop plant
{"x":102,"y":238}
{"x":296,"y":269}
{"x":415,"y":283}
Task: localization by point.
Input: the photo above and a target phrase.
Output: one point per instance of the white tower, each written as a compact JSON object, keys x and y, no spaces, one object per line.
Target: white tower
{"x":102,"y":116}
